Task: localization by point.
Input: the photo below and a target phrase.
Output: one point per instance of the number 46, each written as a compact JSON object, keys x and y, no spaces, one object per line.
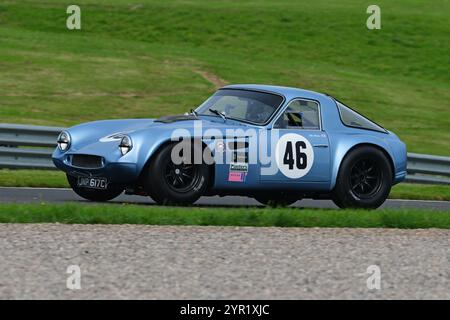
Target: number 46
{"x":300,"y":160}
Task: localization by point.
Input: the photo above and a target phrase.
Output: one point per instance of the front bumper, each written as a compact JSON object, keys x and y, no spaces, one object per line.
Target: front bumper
{"x":117,"y":173}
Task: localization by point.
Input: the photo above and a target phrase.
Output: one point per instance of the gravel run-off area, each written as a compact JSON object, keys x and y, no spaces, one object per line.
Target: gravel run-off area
{"x":165,"y":262}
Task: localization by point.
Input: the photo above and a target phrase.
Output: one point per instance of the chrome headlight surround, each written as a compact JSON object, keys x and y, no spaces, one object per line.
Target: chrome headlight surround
{"x":125,"y":145}
{"x":64,"y":141}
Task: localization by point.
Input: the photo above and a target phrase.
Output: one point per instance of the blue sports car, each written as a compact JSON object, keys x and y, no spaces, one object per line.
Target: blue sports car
{"x":275,"y":144}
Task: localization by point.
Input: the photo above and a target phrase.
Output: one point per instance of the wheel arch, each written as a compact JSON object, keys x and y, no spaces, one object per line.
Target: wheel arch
{"x":338,"y":164}
{"x":152,"y":153}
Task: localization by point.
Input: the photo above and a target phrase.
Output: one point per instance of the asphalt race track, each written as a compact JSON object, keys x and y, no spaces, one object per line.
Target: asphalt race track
{"x":30,"y":195}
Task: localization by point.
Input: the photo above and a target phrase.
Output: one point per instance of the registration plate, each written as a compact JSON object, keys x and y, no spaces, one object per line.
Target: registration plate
{"x":93,"y":183}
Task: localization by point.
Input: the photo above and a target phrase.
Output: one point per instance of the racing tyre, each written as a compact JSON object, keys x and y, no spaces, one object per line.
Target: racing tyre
{"x":176,"y":184}
{"x":282,"y":200}
{"x":94,"y":194}
{"x":364,"y":179}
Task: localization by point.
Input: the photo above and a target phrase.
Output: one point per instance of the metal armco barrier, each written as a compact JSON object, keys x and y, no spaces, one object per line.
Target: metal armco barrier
{"x":424,"y":168}
{"x":27,"y":147}
{"x":30,"y":147}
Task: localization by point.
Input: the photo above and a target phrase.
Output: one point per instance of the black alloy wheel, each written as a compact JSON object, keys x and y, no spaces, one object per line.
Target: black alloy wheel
{"x":364,"y":179}
{"x":172,"y":183}
{"x":181,"y":178}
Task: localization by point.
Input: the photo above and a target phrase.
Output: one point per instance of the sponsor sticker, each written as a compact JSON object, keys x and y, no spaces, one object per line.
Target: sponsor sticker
{"x":238,"y":167}
{"x":237,"y":176}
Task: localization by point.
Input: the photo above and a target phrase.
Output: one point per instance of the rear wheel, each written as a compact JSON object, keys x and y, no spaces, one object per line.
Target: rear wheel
{"x":364,"y":179}
{"x":94,"y":194}
{"x":176,"y":184}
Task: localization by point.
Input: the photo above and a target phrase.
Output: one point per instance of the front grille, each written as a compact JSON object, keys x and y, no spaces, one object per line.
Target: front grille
{"x":87,"y":161}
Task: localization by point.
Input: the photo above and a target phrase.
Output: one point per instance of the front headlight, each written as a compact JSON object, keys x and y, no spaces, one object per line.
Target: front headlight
{"x":125,"y":145}
{"x":64,"y":141}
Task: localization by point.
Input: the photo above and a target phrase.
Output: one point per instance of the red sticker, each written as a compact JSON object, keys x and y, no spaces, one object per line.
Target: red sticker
{"x":236,"y":176}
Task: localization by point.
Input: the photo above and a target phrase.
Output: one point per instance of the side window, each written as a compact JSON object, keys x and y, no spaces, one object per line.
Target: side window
{"x":300,"y":114}
{"x":353,"y":119}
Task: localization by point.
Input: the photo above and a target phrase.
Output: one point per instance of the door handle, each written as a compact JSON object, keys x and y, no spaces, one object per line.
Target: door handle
{"x":320,"y":146}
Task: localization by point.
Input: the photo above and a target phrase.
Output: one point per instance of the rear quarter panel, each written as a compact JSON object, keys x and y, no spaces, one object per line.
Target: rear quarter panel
{"x":343,"y":139}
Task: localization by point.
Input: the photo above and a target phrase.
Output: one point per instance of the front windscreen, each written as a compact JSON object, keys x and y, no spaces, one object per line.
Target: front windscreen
{"x":245,"y":105}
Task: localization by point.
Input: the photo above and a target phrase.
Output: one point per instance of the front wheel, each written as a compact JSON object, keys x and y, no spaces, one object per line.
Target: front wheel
{"x":364,"y":179}
{"x":176,"y":183}
{"x":94,"y":194}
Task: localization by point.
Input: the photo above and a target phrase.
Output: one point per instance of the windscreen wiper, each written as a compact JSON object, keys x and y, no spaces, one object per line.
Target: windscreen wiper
{"x":192,"y":111}
{"x":221,"y":114}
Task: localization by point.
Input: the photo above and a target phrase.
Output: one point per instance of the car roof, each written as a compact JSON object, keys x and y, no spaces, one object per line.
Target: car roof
{"x":287,"y":92}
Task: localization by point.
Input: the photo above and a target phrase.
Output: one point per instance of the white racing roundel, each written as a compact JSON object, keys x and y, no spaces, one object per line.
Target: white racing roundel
{"x":294,"y":155}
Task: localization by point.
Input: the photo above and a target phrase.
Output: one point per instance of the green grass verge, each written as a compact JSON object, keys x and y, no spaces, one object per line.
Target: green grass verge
{"x":163,"y":57}
{"x":209,"y":216}
{"x":57,"y":179}
{"x":420,"y":192}
{"x":33,"y":178}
